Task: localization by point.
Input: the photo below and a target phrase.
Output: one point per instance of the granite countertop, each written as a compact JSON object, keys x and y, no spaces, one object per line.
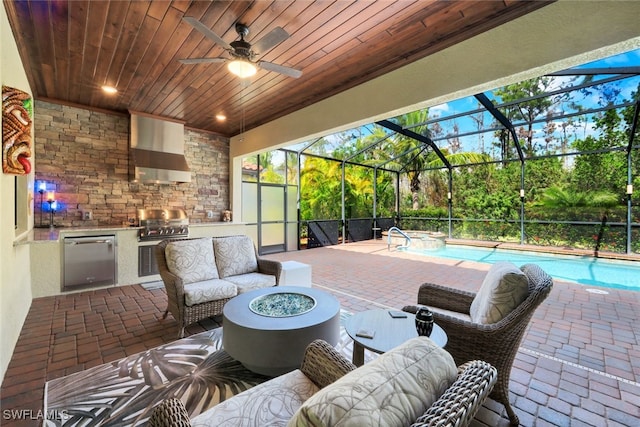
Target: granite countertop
{"x":43,"y":235}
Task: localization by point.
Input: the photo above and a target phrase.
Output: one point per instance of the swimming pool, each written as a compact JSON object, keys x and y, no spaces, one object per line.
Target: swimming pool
{"x":585,"y":270}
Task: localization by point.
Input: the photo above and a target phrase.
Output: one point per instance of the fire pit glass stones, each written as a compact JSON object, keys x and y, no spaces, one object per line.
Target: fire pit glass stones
{"x":267,"y":330}
{"x":282,"y":304}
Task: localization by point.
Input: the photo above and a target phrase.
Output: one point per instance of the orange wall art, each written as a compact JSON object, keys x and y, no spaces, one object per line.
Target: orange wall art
{"x":17,"y":110}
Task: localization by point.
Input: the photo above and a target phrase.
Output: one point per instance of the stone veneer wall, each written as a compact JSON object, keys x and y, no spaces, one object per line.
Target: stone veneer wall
{"x":84,"y":157}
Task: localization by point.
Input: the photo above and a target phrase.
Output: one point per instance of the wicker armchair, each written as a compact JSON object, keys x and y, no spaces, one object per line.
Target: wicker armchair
{"x":495,"y":343}
{"x":174,"y":286}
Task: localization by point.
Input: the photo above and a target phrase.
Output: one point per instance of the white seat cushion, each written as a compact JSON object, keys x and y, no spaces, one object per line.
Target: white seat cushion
{"x":235,"y":255}
{"x":250,"y":281}
{"x":269,"y":404}
{"x":191,"y":260}
{"x":460,"y":316}
{"x":504,"y":288}
{"x":208,"y":290}
{"x":393,"y":390}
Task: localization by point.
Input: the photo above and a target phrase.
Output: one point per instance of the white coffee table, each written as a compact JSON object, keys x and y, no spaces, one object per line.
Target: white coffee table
{"x":275,"y":345}
{"x":388,"y":332}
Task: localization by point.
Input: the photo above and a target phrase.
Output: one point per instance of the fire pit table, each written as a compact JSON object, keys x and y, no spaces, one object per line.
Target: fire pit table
{"x":267,"y":330}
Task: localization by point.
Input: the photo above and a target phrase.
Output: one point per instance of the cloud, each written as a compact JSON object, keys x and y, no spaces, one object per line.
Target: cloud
{"x":438,"y":110}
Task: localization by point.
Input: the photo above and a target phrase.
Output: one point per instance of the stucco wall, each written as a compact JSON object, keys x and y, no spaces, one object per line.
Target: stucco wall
{"x":15,"y":288}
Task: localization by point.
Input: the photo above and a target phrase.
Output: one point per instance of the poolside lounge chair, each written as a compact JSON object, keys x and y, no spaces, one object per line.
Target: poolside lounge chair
{"x":473,"y":336}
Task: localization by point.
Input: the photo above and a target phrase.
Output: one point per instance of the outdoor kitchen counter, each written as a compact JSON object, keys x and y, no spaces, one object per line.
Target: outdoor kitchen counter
{"x":42,"y":235}
{"x":46,"y":251}
{"x":204,"y":229}
{"x":217,"y":229}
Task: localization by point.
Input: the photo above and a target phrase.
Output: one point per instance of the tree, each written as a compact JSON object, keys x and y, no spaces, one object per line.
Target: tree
{"x":563,"y":198}
{"x":414,"y":158}
{"x":320,"y":196}
{"x":413,"y":161}
{"x":526,"y":111}
{"x":604,"y":170}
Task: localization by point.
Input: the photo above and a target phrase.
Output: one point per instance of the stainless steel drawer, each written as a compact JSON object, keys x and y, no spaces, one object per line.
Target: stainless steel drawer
{"x":89,"y":261}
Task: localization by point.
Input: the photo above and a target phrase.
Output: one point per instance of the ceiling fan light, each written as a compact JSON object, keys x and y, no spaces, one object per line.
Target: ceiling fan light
{"x":109,"y":89}
{"x":242,"y":69}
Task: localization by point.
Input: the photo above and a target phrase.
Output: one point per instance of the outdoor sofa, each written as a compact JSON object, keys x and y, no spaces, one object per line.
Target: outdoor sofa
{"x":201,"y":274}
{"x":416,"y":383}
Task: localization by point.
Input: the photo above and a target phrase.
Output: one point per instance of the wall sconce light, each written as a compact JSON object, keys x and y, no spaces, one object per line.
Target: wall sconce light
{"x":51,"y":199}
{"x":42,"y":187}
{"x":49,"y":196}
{"x":53,"y":205}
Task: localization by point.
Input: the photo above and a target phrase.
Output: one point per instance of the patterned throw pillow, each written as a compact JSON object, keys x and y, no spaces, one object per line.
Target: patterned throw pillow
{"x":271,"y":403}
{"x":235,"y":255}
{"x":192,"y":260}
{"x":393,"y":390}
{"x":503,"y":289}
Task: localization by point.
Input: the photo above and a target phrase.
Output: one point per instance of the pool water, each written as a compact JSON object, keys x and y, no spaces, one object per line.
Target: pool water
{"x":584,"y":270}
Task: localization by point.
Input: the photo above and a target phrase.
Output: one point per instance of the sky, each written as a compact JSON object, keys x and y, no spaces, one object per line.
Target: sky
{"x":578,"y":127}
{"x":626,"y":59}
{"x":592,"y":99}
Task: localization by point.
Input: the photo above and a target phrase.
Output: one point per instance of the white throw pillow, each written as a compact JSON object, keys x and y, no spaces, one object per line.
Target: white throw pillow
{"x":503,"y":289}
{"x":270,"y":404}
{"x":191,"y":260}
{"x":393,"y":390}
{"x":235,"y":255}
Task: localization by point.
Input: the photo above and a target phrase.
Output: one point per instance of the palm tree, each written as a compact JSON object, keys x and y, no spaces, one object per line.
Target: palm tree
{"x":415,"y":160}
{"x":574,"y":201}
{"x":320,"y":189}
{"x":414,"y":157}
{"x":563,"y":198}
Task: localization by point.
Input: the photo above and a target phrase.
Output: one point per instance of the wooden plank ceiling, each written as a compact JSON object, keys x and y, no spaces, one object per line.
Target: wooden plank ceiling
{"x":71,"y":48}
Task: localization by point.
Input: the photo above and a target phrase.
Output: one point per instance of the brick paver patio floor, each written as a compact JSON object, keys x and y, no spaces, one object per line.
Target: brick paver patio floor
{"x":578,"y":365}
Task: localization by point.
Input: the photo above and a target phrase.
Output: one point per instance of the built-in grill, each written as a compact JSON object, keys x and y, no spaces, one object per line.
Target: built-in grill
{"x":157,"y":224}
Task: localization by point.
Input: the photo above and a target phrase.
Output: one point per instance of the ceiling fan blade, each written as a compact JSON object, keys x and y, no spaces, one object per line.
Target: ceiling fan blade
{"x":287,"y":71}
{"x":275,"y":36}
{"x":206,"y":31}
{"x":201,"y":60}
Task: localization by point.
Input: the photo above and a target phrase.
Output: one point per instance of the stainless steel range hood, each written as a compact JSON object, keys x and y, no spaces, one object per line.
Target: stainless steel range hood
{"x":157,"y":151}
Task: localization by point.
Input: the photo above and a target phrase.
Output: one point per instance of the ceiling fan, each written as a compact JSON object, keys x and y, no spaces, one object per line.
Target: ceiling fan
{"x":243,"y":54}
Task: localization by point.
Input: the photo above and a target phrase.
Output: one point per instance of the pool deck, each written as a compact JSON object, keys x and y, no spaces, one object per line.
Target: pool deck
{"x":578,"y":364}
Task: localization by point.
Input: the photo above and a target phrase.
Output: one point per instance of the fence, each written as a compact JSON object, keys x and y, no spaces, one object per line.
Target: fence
{"x":591,"y":235}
